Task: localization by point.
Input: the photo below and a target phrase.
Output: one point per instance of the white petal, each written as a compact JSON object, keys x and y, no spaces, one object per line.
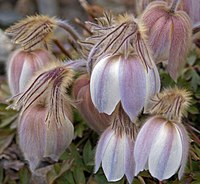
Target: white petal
{"x":104,"y":85}
{"x":166,"y":153}
{"x":113,"y":162}
{"x":153,"y":86}
{"x":101,"y":147}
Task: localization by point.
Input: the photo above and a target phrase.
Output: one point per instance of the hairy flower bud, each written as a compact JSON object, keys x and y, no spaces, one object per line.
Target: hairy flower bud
{"x":169,"y":34}
{"x":40,"y":141}
{"x":171,"y":103}
{"x":81,"y":92}
{"x":44,"y":123}
{"x":22,"y":65}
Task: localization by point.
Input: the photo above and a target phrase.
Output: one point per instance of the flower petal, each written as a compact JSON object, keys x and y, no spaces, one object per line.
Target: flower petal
{"x":101,"y":147}
{"x":113,"y":162}
{"x":104,"y":86}
{"x":32,"y":135}
{"x":185,"y":144}
{"x":153,"y":86}
{"x":132,"y":86}
{"x":129,"y":159}
{"x":144,"y":141}
{"x":166,"y":153}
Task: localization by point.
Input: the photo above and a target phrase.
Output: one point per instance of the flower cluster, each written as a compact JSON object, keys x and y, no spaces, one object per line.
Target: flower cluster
{"x":118,"y":83}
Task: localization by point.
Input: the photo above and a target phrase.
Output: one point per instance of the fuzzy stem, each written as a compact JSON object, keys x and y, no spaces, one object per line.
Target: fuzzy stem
{"x":196,"y":28}
{"x":62,"y":48}
{"x":174,"y":5}
{"x":69,"y":29}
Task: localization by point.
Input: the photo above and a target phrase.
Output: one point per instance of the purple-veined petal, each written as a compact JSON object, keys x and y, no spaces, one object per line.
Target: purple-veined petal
{"x":153,"y":86}
{"x":181,"y":39}
{"x":104,"y":86}
{"x":185,"y":144}
{"x":101,"y":147}
{"x":113,"y":161}
{"x":145,"y":140}
{"x":58,"y":138}
{"x":166,"y":153}
{"x":31,"y":131}
{"x":132,"y":86}
{"x":129,"y":159}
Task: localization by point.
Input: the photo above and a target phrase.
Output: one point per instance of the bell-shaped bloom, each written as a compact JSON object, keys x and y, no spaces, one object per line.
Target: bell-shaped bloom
{"x":161,"y":147}
{"x":39,"y":140}
{"x":115,"y":148}
{"x":81,"y":92}
{"x":123,"y":79}
{"x":45,"y":129}
{"x":169,"y":34}
{"x":22,"y":65}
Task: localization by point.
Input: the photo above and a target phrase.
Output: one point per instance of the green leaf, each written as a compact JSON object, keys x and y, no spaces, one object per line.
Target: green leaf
{"x":24,"y":176}
{"x":79,"y":176}
{"x":88,"y":154}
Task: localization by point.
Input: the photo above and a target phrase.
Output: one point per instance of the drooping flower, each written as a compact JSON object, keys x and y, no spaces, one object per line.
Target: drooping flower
{"x":22,"y":65}
{"x":123,"y":79}
{"x":114,"y":35}
{"x":37,"y":31}
{"x":39,"y":140}
{"x":81,"y":92}
{"x":115,"y":149}
{"x":45,"y":116}
{"x":161,"y":147}
{"x":162,"y":144}
{"x":169,"y":32}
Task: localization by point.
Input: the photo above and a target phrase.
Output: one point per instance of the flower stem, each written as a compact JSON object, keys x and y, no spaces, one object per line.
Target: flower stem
{"x":174,"y":5}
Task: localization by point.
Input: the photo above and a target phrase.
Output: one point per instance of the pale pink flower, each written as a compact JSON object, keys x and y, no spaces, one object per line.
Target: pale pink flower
{"x":123,"y":79}
{"x":22,"y":65}
{"x":81,"y":92}
{"x":161,"y":147}
{"x":169,"y":32}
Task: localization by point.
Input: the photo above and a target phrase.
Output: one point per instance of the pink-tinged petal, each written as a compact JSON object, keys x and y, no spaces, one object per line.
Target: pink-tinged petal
{"x":185,"y":147}
{"x":132,"y":86}
{"x":181,"y":39}
{"x":101,"y":147}
{"x":81,"y":92}
{"x":153,"y":86}
{"x":144,"y":141}
{"x":166,"y":153}
{"x":104,"y":85}
{"x":113,"y":162}
{"x":129,"y":159}
{"x":159,"y":38}
{"x":32,"y":135}
{"x":58,"y":137}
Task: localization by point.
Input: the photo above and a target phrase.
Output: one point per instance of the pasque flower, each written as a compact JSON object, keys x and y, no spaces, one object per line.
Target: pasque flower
{"x":169,"y":32}
{"x":81,"y":92}
{"x":162,"y":144}
{"x":22,"y":65}
{"x":123,"y":79}
{"x":115,"y":148}
{"x":45,"y":127}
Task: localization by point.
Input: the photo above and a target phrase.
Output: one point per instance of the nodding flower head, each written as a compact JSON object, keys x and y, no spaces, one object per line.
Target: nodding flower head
{"x":32,"y":31}
{"x":22,"y":65}
{"x":37,"y":31}
{"x":81,"y":92}
{"x":161,"y":147}
{"x":171,"y":103}
{"x":115,"y":148}
{"x":117,"y":35}
{"x":169,"y":34}
{"x":123,"y":79}
{"x":45,"y":129}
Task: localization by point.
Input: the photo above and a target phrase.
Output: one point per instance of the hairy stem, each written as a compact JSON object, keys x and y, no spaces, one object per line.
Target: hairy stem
{"x":174,"y":5}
